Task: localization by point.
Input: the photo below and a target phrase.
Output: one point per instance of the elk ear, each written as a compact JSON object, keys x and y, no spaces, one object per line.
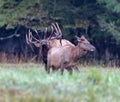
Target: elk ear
{"x":78,"y":39}
{"x":82,"y":37}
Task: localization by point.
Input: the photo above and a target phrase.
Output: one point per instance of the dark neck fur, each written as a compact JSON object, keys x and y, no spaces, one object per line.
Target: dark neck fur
{"x":44,"y":52}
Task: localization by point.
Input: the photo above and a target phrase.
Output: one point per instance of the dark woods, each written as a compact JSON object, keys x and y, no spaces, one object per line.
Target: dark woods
{"x":13,"y":47}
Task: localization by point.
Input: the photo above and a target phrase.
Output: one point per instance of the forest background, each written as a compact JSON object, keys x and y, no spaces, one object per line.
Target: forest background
{"x":98,"y":20}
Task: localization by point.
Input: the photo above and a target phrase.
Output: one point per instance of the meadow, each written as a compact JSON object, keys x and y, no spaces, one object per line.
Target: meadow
{"x":30,"y":83}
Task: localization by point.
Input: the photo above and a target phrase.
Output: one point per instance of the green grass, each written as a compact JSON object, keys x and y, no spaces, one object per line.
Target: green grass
{"x":30,"y":83}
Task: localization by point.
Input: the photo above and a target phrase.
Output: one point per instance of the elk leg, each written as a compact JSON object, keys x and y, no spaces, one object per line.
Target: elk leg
{"x":70,"y":70}
{"x":62,"y":69}
{"x":54,"y":69}
{"x":46,"y":68}
{"x":77,"y":69}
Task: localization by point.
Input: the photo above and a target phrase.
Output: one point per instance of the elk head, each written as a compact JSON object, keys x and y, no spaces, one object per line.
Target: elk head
{"x":85,"y":44}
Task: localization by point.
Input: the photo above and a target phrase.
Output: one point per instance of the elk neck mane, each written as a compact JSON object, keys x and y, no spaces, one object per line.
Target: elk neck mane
{"x":44,"y":52}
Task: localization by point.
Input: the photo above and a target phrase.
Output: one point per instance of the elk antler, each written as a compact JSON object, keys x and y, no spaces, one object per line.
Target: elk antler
{"x":51,"y":34}
{"x":55,"y":31}
{"x":30,"y":39}
{"x":37,"y":33}
{"x":58,"y":32}
{"x":55,"y":34}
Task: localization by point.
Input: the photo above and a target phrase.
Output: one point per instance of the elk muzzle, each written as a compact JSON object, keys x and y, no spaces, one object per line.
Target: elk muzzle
{"x":88,"y":47}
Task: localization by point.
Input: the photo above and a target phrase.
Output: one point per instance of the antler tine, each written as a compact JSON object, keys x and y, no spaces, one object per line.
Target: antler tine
{"x":31,"y":36}
{"x":37,"y":33}
{"x":27,"y":41}
{"x":28,"y":38}
{"x":59,"y":30}
{"x":46,"y":29}
{"x":60,"y":33}
{"x":51,"y":34}
{"x":56,"y":30}
{"x":52,"y":29}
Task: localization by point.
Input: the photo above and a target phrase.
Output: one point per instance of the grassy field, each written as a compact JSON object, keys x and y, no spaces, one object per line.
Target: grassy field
{"x":30,"y":83}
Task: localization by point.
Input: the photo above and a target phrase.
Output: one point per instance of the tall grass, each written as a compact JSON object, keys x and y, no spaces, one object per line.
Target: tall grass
{"x":30,"y":83}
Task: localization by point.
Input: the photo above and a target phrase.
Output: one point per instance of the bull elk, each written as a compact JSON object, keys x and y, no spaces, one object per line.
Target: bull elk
{"x":51,"y":41}
{"x":66,"y":57}
{"x":54,"y":40}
